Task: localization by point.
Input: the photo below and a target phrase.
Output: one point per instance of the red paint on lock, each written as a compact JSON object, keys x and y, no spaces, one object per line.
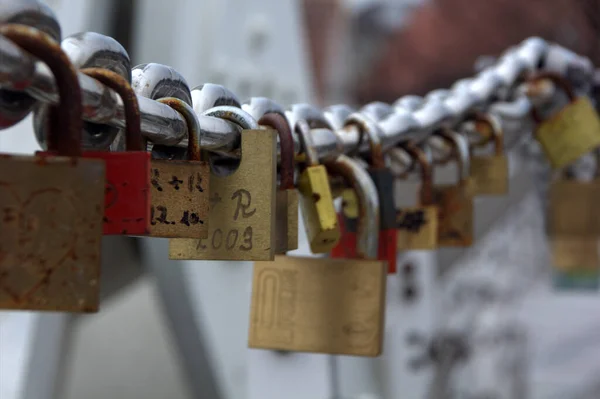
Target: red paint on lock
{"x":346,"y":247}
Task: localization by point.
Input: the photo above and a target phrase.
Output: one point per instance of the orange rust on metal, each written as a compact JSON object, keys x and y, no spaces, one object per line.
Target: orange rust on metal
{"x":377,"y":160}
{"x":134,"y":140}
{"x":65,"y":128}
{"x":286,"y":143}
{"x":426,"y":172}
{"x":445,"y":133}
{"x":187,"y":112}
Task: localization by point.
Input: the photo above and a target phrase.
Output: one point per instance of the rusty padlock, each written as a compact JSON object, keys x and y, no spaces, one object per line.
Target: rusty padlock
{"x":455,"y":201}
{"x":180,"y":188}
{"x":489,"y":172}
{"x":571,"y":132}
{"x":286,"y":201}
{"x":324,"y":305}
{"x":52,"y":205}
{"x":384,"y":181}
{"x":127,"y":197}
{"x":418,"y":226}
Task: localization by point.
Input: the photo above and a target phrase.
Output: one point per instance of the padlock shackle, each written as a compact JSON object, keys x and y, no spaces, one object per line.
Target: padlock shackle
{"x":133,"y":130}
{"x":286,"y":145}
{"x":555,"y":78}
{"x":427,"y":170}
{"x":460,"y":152}
{"x":194,"y":152}
{"x":495,"y":126}
{"x":66,"y":119}
{"x":367,"y":127}
{"x":309,"y":149}
{"x":367,"y":242}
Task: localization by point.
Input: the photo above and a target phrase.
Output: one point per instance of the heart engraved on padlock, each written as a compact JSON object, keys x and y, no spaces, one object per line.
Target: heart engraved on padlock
{"x":286,"y":212}
{"x":571,"y":132}
{"x":242,"y":212}
{"x":418,"y":226}
{"x":52,"y":205}
{"x":489,"y":172}
{"x":324,"y":305}
{"x":180,"y":189}
{"x":455,"y":202}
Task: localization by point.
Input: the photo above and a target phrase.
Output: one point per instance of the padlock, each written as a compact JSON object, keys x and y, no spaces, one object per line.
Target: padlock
{"x":325,"y":305}
{"x":286,"y":208}
{"x":489,"y":172}
{"x":316,"y":199}
{"x":417,"y":227}
{"x":576,"y":263}
{"x":455,"y":201}
{"x":242,"y":204}
{"x":384,"y":181}
{"x":571,"y":132}
{"x":127,"y":196}
{"x":52,"y":205}
{"x":180,"y":188}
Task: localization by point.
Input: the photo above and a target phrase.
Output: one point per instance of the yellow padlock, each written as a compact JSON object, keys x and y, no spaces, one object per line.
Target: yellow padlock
{"x":489,"y":172}
{"x":570,"y":133}
{"x":316,"y":199}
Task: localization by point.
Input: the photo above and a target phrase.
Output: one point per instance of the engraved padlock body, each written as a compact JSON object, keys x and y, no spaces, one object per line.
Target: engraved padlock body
{"x":52,"y":204}
{"x":489,"y":172}
{"x":417,"y":227}
{"x":455,"y":201}
{"x":180,"y":189}
{"x":242,"y":203}
{"x":576,"y":263}
{"x":571,"y":132}
{"x":286,"y":208}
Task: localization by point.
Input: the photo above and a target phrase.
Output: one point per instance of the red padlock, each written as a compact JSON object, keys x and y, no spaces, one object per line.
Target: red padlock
{"x":127,"y":194}
{"x":384,"y":182}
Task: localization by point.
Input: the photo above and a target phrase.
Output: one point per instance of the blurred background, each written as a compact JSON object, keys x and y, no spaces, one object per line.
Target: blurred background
{"x":178,"y":330}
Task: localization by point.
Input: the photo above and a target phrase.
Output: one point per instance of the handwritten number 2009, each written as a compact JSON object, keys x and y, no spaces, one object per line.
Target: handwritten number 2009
{"x":229,"y":241}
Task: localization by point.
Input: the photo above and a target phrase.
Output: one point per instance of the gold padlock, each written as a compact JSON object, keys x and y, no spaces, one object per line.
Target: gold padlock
{"x":576,"y":262}
{"x":333,"y":306}
{"x":180,"y":188}
{"x":570,"y":133}
{"x":242,"y":205}
{"x":573,"y":207}
{"x":316,"y":199}
{"x":489,"y":172}
{"x":52,"y":205}
{"x":417,"y":227}
{"x":286,"y":208}
{"x":455,"y":201}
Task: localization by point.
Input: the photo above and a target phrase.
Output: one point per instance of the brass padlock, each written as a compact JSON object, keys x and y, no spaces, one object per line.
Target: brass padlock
{"x":52,"y":205}
{"x":489,"y":172}
{"x":316,"y":199}
{"x":455,"y":201}
{"x":576,"y":263}
{"x":242,"y":204}
{"x":334,"y":306}
{"x":180,"y":188}
{"x":418,"y":226}
{"x":286,"y":202}
{"x":570,"y":133}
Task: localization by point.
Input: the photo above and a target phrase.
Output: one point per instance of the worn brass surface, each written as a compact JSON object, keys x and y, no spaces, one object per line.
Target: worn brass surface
{"x":179,"y":196}
{"x":573,"y":208}
{"x":455,"y":207}
{"x":575,"y":254}
{"x":286,"y":221}
{"x":242,"y":207}
{"x":570,"y":133}
{"x":318,"y":211}
{"x":318,"y":305}
{"x":417,"y":228}
{"x":52,"y":210}
{"x":489,"y":174}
